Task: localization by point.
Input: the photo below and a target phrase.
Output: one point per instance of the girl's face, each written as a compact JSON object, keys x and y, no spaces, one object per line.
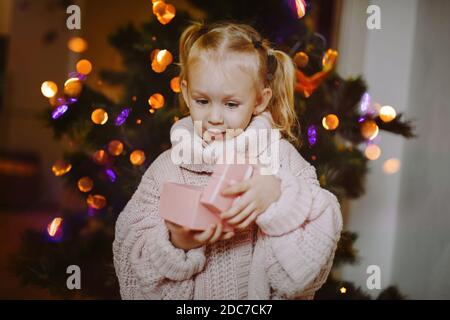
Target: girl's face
{"x":223,"y":96}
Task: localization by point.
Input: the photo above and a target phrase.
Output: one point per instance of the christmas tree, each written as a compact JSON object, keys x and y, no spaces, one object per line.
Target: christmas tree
{"x":112,"y":143}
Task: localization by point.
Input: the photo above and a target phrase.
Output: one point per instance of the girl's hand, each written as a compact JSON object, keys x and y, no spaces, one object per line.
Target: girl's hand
{"x":185,"y":238}
{"x":257,"y":192}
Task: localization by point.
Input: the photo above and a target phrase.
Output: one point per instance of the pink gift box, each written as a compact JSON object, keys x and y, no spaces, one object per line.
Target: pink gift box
{"x":224,"y":176}
{"x":180,"y":204}
{"x":196,"y":207}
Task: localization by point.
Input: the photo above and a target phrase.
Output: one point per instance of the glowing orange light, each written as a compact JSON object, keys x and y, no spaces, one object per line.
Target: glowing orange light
{"x":301,"y":59}
{"x":115,"y":147}
{"x":99,"y":116}
{"x":61,"y":167}
{"x":369,"y":129}
{"x":156,"y":101}
{"x":330,"y":122}
{"x":372,"y":152}
{"x":137,"y":157}
{"x":164,"y":57}
{"x":54,"y":226}
{"x":77,"y":44}
{"x":84,"y":67}
{"x":175,"y":84}
{"x":301,"y":8}
{"x":85,"y":184}
{"x":387,"y":113}
{"x":73,"y":87}
{"x":96,"y":201}
{"x":49,"y":89}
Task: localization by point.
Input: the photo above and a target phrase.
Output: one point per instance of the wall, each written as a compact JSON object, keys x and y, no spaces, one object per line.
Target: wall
{"x":422,"y":248}
{"x":402,"y":229}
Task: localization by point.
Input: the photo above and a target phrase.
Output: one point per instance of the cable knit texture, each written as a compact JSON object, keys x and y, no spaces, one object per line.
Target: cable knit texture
{"x":286,"y":254}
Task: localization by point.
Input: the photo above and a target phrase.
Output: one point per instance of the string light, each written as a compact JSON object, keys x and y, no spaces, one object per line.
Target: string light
{"x":77,"y":44}
{"x":175,"y":84}
{"x":61,"y":167}
{"x":49,"y":89}
{"x":96,"y":202}
{"x":301,"y":59}
{"x":137,"y":157}
{"x":372,"y":152}
{"x":54,"y":227}
{"x":369,"y":129}
{"x":330,"y":122}
{"x":59,"y":111}
{"x":301,"y":8}
{"x":122,"y":117}
{"x":156,"y":101}
{"x":164,"y":57}
{"x":84,"y":67}
{"x":85,"y":184}
{"x":115,"y":148}
{"x":391,"y":166}
{"x":163,"y":12}
{"x":387,"y":113}
{"x":99,"y":116}
{"x":312,"y":135}
{"x":73,"y":87}
{"x":100,"y":157}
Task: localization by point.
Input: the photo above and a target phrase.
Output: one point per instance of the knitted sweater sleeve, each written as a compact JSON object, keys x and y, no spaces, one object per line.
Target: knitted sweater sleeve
{"x":300,"y":231}
{"x":147,"y":265}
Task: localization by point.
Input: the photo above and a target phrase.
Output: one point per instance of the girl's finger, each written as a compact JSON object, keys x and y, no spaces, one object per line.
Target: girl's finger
{"x":227,"y":235}
{"x":239,"y":187}
{"x":217,"y":234}
{"x":248,"y":221}
{"x":243,"y":214}
{"x":239,"y":205}
{"x":205,"y":235}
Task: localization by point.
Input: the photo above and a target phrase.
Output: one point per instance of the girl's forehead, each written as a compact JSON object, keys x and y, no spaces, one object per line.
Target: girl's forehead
{"x":230,"y":74}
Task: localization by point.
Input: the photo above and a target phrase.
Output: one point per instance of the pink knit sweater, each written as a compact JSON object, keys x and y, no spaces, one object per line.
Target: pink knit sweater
{"x":286,"y":254}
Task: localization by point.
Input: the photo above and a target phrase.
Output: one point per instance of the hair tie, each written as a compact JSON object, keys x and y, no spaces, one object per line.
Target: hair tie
{"x":203,"y":30}
{"x":257,"y":44}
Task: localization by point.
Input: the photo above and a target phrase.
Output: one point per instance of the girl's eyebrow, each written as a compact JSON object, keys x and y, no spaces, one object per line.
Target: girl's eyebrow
{"x":227,"y":96}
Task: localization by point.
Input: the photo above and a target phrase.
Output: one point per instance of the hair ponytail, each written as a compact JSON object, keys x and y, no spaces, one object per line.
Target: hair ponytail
{"x":282,"y":104}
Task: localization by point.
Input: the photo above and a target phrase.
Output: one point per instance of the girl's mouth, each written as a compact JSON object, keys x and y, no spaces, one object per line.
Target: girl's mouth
{"x":215,"y":134}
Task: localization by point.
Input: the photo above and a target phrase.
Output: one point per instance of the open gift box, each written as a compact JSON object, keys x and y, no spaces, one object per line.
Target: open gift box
{"x":196,"y":207}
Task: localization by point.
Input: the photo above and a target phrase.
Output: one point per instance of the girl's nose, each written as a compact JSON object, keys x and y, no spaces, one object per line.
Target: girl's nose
{"x":215,"y":116}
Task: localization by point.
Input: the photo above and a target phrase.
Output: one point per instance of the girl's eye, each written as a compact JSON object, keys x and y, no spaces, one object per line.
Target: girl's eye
{"x":232,"y":105}
{"x":201,"y":101}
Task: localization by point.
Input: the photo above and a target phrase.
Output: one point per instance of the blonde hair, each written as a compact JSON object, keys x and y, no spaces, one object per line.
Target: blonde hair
{"x":274,"y":66}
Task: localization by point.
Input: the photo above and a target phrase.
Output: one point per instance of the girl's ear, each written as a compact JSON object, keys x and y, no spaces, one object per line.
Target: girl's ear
{"x":184,"y":92}
{"x":263,"y":101}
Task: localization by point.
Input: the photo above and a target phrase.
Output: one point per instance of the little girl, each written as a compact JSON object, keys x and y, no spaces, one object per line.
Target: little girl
{"x":286,"y":227}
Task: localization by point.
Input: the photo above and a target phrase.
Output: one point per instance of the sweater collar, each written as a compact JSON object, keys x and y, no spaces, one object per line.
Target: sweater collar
{"x":207,"y":153}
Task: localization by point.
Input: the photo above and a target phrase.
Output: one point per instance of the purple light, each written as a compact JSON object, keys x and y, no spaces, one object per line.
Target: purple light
{"x":122,"y":117}
{"x":361,"y":119}
{"x":91,"y":212}
{"x":59,"y":111}
{"x":365,"y":102}
{"x":312,"y":135}
{"x":80,"y":76}
{"x":111,"y":175}
{"x":67,"y":101}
